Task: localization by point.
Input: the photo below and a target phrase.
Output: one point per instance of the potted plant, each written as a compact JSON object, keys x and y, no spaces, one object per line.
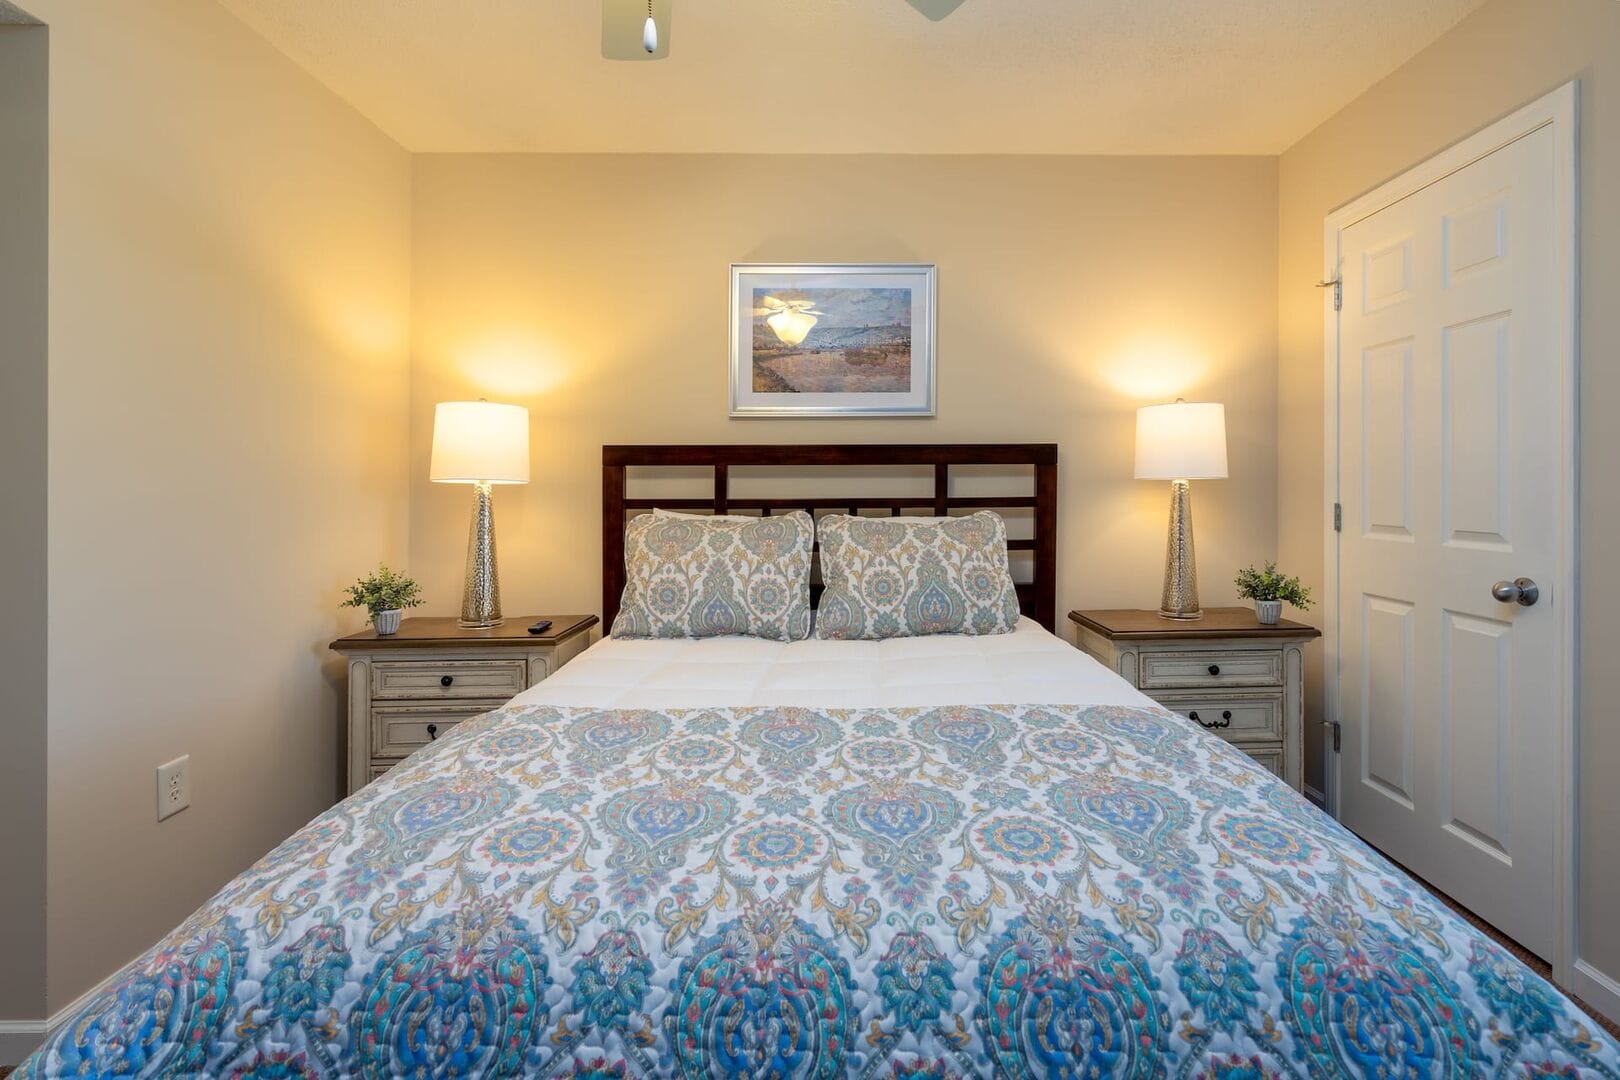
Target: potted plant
{"x":385,"y":595}
{"x":1268,"y":589}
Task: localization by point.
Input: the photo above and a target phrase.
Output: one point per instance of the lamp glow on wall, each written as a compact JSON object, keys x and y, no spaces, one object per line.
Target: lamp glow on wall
{"x":1181,"y":442}
{"x":480,"y":443}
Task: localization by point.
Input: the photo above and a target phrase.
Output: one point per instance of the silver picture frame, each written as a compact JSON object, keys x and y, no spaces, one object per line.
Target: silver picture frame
{"x":895,"y":372}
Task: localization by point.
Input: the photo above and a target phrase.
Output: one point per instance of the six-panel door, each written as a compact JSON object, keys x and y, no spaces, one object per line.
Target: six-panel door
{"x":1450,"y":437}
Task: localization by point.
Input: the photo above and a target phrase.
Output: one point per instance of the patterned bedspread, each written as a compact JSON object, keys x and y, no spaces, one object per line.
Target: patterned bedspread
{"x":1022,"y":891}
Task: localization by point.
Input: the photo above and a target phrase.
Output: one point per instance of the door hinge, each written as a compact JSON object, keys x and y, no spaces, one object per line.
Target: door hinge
{"x":1338,"y":517}
{"x":1337,"y":285}
{"x":1334,"y":724}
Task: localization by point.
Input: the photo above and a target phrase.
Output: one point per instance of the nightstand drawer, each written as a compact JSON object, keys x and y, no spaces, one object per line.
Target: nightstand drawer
{"x":433,"y":679}
{"x":397,"y":730}
{"x":1258,"y":667}
{"x":1234,"y":717}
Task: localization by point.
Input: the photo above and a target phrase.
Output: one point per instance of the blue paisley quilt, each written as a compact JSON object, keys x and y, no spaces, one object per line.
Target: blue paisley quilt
{"x":1033,"y":891}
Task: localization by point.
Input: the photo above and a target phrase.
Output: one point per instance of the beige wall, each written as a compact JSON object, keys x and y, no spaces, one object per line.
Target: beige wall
{"x":23,"y":247}
{"x":229,"y":280}
{"x":1507,"y":53}
{"x":593,"y":289}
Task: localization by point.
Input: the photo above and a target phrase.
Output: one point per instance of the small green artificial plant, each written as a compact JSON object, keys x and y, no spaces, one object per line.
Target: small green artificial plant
{"x":1268,"y":584}
{"x":383,"y":590}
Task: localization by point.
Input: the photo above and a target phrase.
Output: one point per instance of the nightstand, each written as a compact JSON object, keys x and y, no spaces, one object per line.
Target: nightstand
{"x":409,"y":688}
{"x":1229,"y":672}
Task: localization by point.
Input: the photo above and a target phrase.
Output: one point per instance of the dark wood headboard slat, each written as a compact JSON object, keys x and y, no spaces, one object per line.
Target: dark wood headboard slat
{"x":806,"y":503}
{"x":1037,"y":598}
{"x":955,"y":502}
{"x":842,"y":454}
{"x":990,"y":502}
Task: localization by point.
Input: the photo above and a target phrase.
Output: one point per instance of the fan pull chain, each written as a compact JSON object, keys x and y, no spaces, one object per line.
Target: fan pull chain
{"x":649,"y":32}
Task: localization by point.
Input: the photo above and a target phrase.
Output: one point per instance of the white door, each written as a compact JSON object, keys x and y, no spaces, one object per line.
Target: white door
{"x":1453,"y":437}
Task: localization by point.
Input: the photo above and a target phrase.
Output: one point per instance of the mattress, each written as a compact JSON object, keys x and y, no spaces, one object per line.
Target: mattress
{"x":1028,"y":666}
{"x":686,"y":859}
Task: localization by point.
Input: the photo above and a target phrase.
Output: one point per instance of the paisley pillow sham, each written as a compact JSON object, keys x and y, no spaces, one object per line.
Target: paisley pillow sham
{"x":907,"y":577}
{"x":694,"y":577}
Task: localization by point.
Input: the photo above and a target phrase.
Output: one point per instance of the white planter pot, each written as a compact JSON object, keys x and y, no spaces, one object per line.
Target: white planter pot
{"x":1268,"y":611}
{"x":387,"y":622}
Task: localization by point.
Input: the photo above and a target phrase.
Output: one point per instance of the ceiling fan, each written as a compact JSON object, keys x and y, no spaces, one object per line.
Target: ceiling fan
{"x":639,"y":29}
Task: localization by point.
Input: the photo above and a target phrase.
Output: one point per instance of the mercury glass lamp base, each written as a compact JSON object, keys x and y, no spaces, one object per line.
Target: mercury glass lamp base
{"x":1180,"y":597}
{"x":481,"y":595}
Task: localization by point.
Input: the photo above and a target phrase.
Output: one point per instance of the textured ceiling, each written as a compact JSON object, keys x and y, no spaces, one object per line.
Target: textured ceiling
{"x":858,"y":76}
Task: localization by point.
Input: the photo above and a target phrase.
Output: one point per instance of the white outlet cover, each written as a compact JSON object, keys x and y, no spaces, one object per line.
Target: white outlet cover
{"x":173,"y":786}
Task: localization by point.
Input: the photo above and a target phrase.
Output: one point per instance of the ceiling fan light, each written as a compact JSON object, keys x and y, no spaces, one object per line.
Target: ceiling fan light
{"x":649,"y":35}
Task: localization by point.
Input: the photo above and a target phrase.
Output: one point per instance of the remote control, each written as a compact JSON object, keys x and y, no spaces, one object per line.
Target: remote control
{"x":540,"y":627}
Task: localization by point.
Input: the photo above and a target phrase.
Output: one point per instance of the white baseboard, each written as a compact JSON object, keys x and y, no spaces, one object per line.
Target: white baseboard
{"x":1600,"y":991}
{"x":19,"y":1038}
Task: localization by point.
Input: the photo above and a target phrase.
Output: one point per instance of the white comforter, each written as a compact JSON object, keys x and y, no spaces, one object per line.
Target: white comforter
{"x":1026,"y":667}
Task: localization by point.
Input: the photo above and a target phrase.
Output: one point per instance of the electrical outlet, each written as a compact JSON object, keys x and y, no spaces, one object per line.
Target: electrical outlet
{"x":173,"y":786}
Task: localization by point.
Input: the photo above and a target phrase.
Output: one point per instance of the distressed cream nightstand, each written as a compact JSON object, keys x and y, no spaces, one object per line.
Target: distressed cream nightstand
{"x":1228,"y":671}
{"x":407,"y":689}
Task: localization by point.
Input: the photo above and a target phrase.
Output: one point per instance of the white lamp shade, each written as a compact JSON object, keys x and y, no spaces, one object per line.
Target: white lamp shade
{"x":1184,"y":441}
{"x":480,"y":442}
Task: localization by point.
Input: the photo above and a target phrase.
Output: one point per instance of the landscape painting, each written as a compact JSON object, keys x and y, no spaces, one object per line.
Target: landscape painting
{"x":832,"y":340}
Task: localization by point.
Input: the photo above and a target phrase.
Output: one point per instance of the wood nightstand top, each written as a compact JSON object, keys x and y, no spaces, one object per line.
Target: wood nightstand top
{"x":440,"y":633}
{"x":1139,"y":624}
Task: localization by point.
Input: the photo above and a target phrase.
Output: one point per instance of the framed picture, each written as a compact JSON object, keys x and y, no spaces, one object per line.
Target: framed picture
{"x":832,"y":340}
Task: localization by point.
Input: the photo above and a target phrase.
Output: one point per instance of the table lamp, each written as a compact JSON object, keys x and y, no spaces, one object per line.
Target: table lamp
{"x":1179,"y":443}
{"x":480,"y":443}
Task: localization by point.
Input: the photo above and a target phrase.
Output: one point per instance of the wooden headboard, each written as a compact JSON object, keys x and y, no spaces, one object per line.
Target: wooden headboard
{"x":1037,"y":597}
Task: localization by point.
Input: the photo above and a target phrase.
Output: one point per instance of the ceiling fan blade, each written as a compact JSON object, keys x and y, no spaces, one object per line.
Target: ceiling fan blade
{"x":622,"y":22}
{"x":935,"y":10}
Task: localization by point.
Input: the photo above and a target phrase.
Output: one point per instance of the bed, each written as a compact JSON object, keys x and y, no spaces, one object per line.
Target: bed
{"x":920,"y":857}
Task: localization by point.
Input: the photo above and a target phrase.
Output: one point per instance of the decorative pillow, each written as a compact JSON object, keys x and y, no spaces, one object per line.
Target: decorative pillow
{"x":906,"y":577}
{"x":693,"y":577}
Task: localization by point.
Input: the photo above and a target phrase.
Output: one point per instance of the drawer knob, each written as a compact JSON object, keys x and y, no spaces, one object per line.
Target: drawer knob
{"x":1227,"y":716}
{"x":446,"y":680}
{"x":1214,"y":669}
{"x":1224,"y":722}
{"x":433,"y":729}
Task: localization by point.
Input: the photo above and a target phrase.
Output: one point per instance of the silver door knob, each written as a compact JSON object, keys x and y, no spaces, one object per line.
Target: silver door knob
{"x":1521,"y":591}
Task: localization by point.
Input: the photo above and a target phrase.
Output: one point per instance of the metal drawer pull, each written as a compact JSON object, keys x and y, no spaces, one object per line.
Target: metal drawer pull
{"x":446,"y":680}
{"x":433,"y":729}
{"x":1224,"y":721}
{"x":1214,"y":669}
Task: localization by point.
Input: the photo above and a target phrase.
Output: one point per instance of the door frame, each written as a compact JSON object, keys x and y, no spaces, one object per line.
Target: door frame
{"x":1558,"y":110}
